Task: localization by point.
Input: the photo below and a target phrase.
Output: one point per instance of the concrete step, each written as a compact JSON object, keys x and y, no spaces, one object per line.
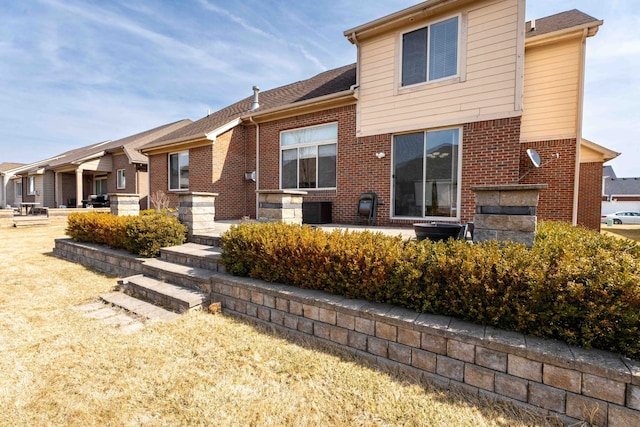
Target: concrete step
{"x":138,"y":307}
{"x":183,"y":275}
{"x":206,"y":240}
{"x":194,"y":255}
{"x":175,"y":298}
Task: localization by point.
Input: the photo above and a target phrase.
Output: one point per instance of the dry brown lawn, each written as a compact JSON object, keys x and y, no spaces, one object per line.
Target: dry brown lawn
{"x":622,"y":231}
{"x":59,"y":368}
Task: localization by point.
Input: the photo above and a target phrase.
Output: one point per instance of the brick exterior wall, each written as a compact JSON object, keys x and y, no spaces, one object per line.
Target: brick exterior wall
{"x":490,"y":155}
{"x":355,"y":161}
{"x":556,"y":203}
{"x":216,"y":168}
{"x":590,"y":195}
{"x":135,"y":181}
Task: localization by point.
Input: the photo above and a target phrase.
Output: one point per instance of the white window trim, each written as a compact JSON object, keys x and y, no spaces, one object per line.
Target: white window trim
{"x":124,"y":179}
{"x":459,"y":190}
{"x":311,"y":144}
{"x":18,"y":184}
{"x":461,"y":59}
{"x":176,"y":190}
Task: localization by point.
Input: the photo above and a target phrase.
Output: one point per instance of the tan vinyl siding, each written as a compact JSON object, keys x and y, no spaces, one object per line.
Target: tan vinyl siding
{"x":551,"y":84}
{"x":486,"y":88}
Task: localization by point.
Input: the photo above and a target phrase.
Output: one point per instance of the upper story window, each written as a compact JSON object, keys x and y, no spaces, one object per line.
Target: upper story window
{"x":430,"y":53}
{"x":179,"y":171}
{"x":121,"y":182}
{"x":31,"y":185}
{"x":309,"y":157}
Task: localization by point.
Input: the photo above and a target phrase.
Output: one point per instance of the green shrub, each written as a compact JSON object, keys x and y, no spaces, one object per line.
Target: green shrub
{"x":147,"y":234}
{"x":573,"y":284}
{"x":143,"y":235}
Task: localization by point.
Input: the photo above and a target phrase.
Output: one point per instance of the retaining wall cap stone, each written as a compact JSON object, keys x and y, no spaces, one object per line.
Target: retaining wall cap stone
{"x":549,"y":351}
{"x":601,"y":363}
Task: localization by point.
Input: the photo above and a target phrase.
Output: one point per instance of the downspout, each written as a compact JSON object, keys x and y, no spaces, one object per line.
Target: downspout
{"x":257,"y":163}
{"x":576,"y":184}
{"x":149,"y":183}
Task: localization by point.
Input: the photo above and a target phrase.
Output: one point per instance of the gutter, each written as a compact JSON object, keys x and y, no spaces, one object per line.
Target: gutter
{"x":586,"y":30}
{"x":349,"y":93}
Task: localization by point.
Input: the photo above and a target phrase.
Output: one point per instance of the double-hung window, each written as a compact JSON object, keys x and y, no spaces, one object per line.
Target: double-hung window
{"x":179,"y":171}
{"x":426,"y":173}
{"x":430,"y":53}
{"x":121,"y":182}
{"x":309,"y":157}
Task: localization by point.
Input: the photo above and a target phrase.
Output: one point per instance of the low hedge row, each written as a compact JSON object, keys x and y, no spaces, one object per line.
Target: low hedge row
{"x":573,"y":284}
{"x":142,"y":235}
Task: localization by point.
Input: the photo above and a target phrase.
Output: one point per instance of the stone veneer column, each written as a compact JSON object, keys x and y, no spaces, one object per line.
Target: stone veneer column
{"x":197,"y":211}
{"x":280,"y":205}
{"x":506,"y":212}
{"x":122,"y":204}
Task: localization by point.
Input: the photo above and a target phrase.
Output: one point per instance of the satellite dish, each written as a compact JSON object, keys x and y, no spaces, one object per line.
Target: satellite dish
{"x":534,"y":157}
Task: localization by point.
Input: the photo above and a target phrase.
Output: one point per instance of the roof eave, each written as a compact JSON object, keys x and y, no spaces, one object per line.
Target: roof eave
{"x":607,"y":154}
{"x":175,"y":144}
{"x":590,"y":28}
{"x":380,"y":25}
{"x":319,"y":103}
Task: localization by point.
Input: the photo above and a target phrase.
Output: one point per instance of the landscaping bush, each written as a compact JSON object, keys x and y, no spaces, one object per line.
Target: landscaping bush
{"x":354,"y":264}
{"x":97,"y":227}
{"x":573,"y":284}
{"x":142,"y":235}
{"x":146,"y":234}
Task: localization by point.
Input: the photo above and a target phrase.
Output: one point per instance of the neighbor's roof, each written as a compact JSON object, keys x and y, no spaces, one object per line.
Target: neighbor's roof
{"x":7,"y":166}
{"x":561,"y":21}
{"x":622,"y":186}
{"x":326,"y":83}
{"x":607,"y":171}
{"x":129,"y":144}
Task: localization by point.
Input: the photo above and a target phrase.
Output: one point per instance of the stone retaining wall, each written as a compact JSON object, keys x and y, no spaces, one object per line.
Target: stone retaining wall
{"x":102,"y":258}
{"x":546,"y":376}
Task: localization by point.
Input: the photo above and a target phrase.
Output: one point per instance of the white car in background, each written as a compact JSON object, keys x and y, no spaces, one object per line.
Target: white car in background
{"x":626,"y":217}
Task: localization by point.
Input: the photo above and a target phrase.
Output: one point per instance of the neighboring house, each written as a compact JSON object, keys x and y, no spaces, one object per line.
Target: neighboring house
{"x":446,"y":95}
{"x":619,"y":194}
{"x":10,"y":193}
{"x":106,"y":167}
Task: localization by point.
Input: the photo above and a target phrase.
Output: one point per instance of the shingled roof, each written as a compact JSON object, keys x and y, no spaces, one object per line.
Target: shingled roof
{"x":622,"y":186}
{"x":7,"y":166}
{"x":559,"y":21}
{"x":130,"y":144}
{"x":326,"y":83}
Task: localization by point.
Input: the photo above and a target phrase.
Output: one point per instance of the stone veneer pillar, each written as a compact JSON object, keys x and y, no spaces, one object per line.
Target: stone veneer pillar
{"x":122,"y":204}
{"x":506,"y":212}
{"x":280,"y":205}
{"x":197,"y":211}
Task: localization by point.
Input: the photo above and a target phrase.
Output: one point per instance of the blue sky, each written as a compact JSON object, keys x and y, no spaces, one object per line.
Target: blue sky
{"x":76,"y":72}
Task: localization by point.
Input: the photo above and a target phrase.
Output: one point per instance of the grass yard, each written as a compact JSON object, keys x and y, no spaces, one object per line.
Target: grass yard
{"x":60,"y":368}
{"x":622,"y":231}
